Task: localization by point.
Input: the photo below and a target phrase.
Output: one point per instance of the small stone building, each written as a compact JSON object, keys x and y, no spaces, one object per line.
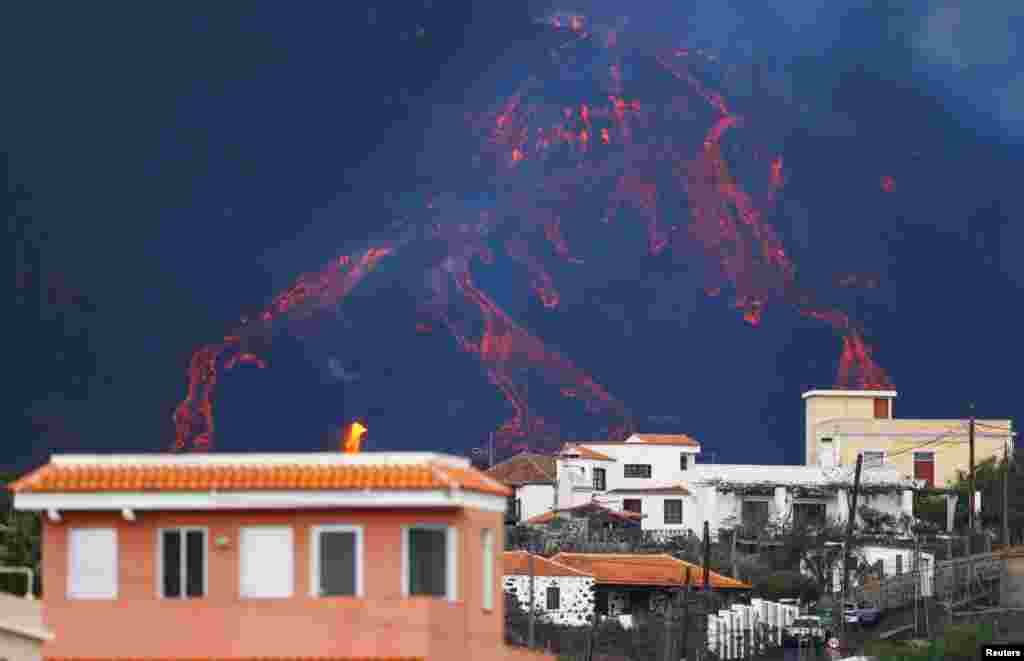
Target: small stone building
{"x":562,"y":595}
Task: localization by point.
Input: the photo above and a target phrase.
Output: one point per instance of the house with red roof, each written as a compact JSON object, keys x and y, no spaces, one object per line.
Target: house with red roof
{"x":561,"y":594}
{"x":643,"y":474}
{"x":244,"y":556}
{"x":569,"y":588}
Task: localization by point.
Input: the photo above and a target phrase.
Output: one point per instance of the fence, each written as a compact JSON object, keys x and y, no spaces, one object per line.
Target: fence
{"x":949,"y":581}
{"x":742,"y":630}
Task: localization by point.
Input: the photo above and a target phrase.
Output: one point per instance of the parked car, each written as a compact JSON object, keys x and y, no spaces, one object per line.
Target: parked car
{"x":805,"y":628}
{"x":862,"y":613}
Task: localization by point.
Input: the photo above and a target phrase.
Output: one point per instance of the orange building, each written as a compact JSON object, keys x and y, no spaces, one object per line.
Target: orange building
{"x":373,"y":555}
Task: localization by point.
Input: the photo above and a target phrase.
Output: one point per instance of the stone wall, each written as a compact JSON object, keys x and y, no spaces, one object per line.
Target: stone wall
{"x":576,"y":596}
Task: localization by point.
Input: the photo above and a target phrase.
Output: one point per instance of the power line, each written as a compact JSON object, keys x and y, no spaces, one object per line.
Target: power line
{"x":982,"y":424}
{"x":934,"y":441}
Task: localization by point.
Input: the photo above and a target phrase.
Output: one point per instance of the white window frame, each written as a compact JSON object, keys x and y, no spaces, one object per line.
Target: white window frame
{"x":882,"y":451}
{"x":181,"y":561}
{"x":290,"y":568}
{"x":314,"y":558}
{"x":71,"y":563}
{"x":451,"y":561}
{"x":487,"y":564}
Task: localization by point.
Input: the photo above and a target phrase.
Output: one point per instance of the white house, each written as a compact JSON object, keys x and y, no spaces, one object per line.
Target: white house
{"x":656,"y":476}
{"x":532,"y":477}
{"x":644,"y":474}
{"x":570,"y":588}
{"x":889,"y":562}
{"x":753,"y":496}
{"x":561,"y":594}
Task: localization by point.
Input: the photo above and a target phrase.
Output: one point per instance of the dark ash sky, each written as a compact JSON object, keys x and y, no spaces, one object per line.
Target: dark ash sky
{"x":169,"y":169}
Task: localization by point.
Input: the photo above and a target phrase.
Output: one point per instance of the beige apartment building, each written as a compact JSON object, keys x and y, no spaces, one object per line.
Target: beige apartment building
{"x":844,"y":423}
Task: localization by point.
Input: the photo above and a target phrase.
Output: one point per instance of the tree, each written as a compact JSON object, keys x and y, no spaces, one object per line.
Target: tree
{"x":788,"y":584}
{"x":20,"y":542}
{"x":989,"y":481}
{"x":817,"y":551}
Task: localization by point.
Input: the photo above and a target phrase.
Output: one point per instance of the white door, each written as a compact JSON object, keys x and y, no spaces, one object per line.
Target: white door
{"x":827,"y":453}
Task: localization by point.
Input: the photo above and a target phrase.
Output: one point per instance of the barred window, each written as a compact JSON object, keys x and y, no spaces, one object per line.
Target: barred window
{"x":636,"y":470}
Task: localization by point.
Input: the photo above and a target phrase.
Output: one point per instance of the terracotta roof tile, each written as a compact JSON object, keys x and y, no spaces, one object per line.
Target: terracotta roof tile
{"x":651,"y":439}
{"x":518,"y":563}
{"x":585,"y":452}
{"x":525,"y":468}
{"x":549,"y":516}
{"x":53,"y":478}
{"x":642,"y":569}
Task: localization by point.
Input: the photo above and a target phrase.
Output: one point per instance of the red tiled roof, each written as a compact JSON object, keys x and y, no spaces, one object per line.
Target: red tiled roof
{"x":643,"y":569}
{"x":549,"y":516}
{"x":237,"y":658}
{"x":585,"y":452}
{"x":525,"y":468}
{"x":652,"y":439}
{"x":518,"y":563}
{"x":56,"y":478}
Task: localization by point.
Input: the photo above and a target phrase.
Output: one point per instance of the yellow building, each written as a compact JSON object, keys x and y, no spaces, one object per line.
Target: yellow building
{"x":844,"y":423}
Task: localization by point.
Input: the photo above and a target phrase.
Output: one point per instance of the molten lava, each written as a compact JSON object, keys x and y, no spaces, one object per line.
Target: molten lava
{"x":565,"y":158}
{"x":352,"y":439}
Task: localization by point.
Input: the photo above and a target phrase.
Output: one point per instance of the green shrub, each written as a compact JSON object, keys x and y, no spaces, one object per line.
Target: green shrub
{"x":787,"y":585}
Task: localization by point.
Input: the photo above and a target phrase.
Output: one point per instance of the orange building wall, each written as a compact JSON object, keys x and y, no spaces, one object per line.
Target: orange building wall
{"x":139,"y":624}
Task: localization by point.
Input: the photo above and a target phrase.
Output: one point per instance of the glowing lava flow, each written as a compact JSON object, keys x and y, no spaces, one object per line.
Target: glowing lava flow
{"x":193,"y":418}
{"x":562,"y":160}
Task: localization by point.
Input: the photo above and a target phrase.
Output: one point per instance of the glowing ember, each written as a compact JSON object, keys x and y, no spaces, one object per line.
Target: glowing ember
{"x":564,"y":162}
{"x":352,"y":439}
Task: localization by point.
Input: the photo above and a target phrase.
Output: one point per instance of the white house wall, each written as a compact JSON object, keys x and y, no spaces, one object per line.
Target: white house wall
{"x":576,"y":597}
{"x":535,"y":499}
{"x":716,"y":507}
{"x":664,"y":461}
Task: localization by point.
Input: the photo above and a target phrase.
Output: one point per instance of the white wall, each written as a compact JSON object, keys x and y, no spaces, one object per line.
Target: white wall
{"x":535,"y":499}
{"x":716,"y":507}
{"x":664,"y":461}
{"x":576,"y":598}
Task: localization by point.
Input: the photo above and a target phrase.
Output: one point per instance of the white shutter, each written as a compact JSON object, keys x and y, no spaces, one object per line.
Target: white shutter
{"x":267,"y":562}
{"x":92,"y":563}
{"x":453,"y":563}
{"x":488,"y":567}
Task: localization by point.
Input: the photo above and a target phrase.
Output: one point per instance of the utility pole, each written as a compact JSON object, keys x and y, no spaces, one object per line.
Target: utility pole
{"x":918,"y":577}
{"x":971,"y":437}
{"x":707,"y":558}
{"x":1006,"y":494}
{"x":592,"y":641}
{"x":686,"y":615}
{"x":848,"y":541}
{"x":529,"y":555}
{"x":490,"y":457}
